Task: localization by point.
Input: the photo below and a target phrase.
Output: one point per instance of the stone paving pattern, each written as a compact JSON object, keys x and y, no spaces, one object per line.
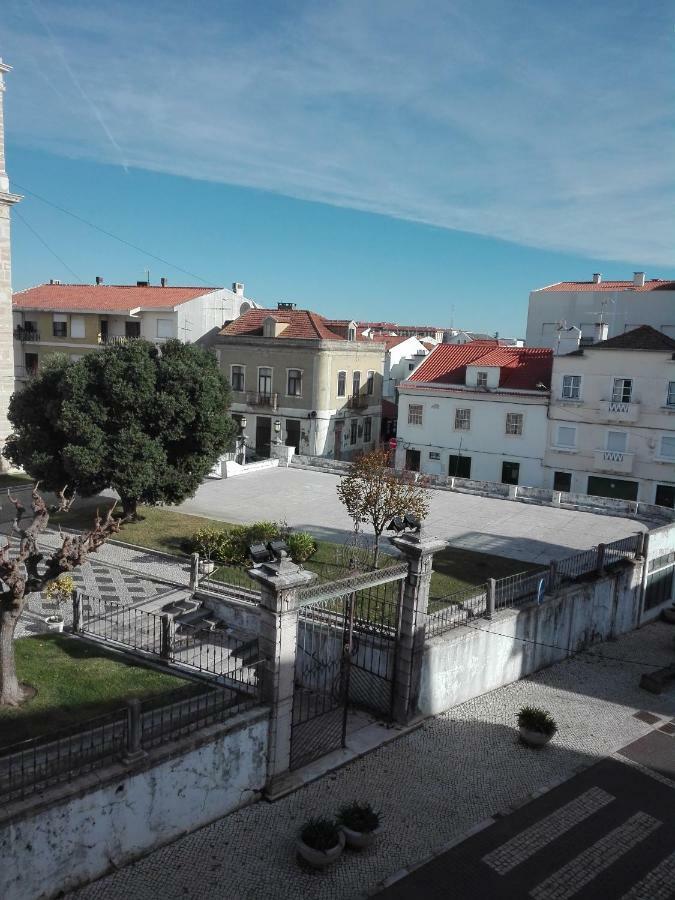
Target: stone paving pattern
{"x":431,"y":785}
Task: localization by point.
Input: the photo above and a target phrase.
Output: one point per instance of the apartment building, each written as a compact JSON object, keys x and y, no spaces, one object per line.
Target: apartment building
{"x":611,"y":429}
{"x":476,"y":410}
{"x":299,"y":381}
{"x":79,"y":318}
{"x":622,"y":305}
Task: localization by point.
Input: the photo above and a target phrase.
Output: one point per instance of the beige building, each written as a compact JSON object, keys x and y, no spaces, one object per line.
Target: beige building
{"x":7,"y":200}
{"x":78,"y":318}
{"x":298,"y":381}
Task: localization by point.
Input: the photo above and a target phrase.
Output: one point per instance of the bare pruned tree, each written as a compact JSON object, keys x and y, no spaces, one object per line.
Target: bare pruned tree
{"x":20,"y":573}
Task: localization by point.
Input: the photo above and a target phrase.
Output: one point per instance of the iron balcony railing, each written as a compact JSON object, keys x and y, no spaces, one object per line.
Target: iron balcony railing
{"x":356,"y":401}
{"x":23,"y":334}
{"x":269,"y":401}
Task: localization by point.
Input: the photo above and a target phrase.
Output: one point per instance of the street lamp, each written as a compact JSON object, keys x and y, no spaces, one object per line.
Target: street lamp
{"x":277,"y":431}
{"x":241,"y":441}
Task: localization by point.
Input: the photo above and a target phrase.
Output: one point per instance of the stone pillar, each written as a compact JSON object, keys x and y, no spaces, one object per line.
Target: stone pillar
{"x":7,"y":199}
{"x":278,"y":641}
{"x":418,"y":551}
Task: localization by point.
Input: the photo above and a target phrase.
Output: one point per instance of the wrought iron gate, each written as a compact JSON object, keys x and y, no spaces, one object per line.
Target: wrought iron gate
{"x":346,"y":657}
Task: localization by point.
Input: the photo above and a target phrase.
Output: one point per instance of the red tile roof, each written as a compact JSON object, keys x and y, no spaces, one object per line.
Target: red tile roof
{"x":654,"y":284}
{"x":104,"y":297}
{"x":302,"y":323}
{"x":521,"y":368}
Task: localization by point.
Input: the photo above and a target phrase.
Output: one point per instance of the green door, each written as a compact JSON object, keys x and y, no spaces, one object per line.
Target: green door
{"x":612,"y":487}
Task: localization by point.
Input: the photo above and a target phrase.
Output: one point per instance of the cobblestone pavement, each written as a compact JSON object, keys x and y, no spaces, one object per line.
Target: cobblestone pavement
{"x":431,"y":785}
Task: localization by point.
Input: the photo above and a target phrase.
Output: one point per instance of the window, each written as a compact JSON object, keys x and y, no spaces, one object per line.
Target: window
{"x":353,"y":431}
{"x":351,"y":334}
{"x":562,"y":481}
{"x":462,"y":420}
{"x":566,"y":436}
{"x":459,"y":466}
{"x":414,"y":414}
{"x":356,"y":383}
{"x":342,"y":384}
{"x":411,"y":367}
{"x":60,"y":325}
{"x":294,"y":383}
{"x":77,"y":327}
{"x":433,"y":454}
{"x":510,"y":472}
{"x":670,"y":397}
{"x":132,"y":329}
{"x":264,"y":380}
{"x":481,"y":379}
{"x":238,"y":378}
{"x":164,"y":328}
{"x":616,"y":441}
{"x":367,"y":429}
{"x":514,"y":423}
{"x":29,"y":326}
{"x":571,"y":387}
{"x":370,"y":383}
{"x":667,"y":447}
{"x":622,"y":390}
{"x":31,"y":361}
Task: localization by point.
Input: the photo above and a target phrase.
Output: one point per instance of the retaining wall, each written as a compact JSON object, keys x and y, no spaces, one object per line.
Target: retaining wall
{"x":77,"y":832}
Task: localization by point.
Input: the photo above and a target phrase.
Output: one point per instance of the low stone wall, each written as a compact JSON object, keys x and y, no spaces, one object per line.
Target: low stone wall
{"x":77,"y":832}
{"x":472,"y":660}
{"x":231,"y":468}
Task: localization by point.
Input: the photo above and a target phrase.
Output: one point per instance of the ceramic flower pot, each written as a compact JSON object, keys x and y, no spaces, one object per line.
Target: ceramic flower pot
{"x":206,"y":567}
{"x":359,"y":840}
{"x":54,"y":623}
{"x":319,"y":859}
{"x":534,"y":738}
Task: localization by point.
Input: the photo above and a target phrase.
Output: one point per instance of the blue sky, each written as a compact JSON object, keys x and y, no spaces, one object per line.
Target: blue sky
{"x":404,"y":159}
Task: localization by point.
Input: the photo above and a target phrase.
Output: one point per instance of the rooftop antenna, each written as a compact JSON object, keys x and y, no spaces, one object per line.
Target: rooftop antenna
{"x":601,"y":312}
{"x":185,"y":327}
{"x":452,"y":316}
{"x":147,"y":275}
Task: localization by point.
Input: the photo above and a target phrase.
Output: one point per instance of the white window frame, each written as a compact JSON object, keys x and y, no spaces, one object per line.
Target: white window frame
{"x":414,"y":416}
{"x":356,"y":390}
{"x":243,"y":372}
{"x":662,"y":455}
{"x":342,"y":393}
{"x":270,"y":392}
{"x":481,"y":379}
{"x":625,"y":443}
{"x":622,"y":381}
{"x":517,"y":419}
{"x":301,"y":373}
{"x":558,"y":442}
{"x":59,"y":319}
{"x":571,"y":395}
{"x":670,"y":394}
{"x":462,"y":422}
{"x":367,"y":429}
{"x":170,"y":329}
{"x":370,"y":382}
{"x":78,"y":327}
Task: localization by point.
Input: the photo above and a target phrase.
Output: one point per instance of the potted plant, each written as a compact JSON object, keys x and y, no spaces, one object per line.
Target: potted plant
{"x":206,"y":566}
{"x":536,"y":726}
{"x":360,"y":824}
{"x":58,"y":591}
{"x":320,"y":843}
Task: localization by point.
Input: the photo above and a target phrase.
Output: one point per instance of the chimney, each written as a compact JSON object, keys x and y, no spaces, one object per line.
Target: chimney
{"x":99,"y":280}
{"x":638,"y":279}
{"x":600,"y":330}
{"x":142,"y":284}
{"x":54,"y":281}
{"x":163,"y":281}
{"x":238,"y":288}
{"x":597,"y":277}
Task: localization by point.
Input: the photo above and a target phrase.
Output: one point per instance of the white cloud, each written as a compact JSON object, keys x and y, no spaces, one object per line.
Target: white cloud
{"x":536,"y":123}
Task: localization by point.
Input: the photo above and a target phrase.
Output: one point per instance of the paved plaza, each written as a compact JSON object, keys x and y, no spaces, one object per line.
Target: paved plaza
{"x":307,"y":500}
{"x":435,"y":784}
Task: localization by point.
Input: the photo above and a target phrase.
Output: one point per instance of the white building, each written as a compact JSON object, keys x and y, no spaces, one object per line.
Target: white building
{"x":623,"y":305}
{"x":403,"y":356}
{"x":79,"y":318}
{"x":478,"y":411}
{"x":612,"y":419}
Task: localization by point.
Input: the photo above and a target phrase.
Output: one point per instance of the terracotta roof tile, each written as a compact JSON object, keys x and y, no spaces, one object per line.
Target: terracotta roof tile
{"x":302,"y":323}
{"x":654,"y":284}
{"x":104,"y":297}
{"x":521,"y":368}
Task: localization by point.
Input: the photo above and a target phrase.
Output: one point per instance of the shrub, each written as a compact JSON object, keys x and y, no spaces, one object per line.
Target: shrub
{"x":61,"y":589}
{"x":210,"y":542}
{"x":320,"y":834}
{"x":301,"y":546}
{"x":537,"y":720}
{"x":358,"y":817}
{"x":261,"y":532}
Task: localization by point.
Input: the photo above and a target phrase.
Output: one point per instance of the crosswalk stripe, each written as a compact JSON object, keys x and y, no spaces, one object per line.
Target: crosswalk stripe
{"x":595,"y":859}
{"x":659,"y":884}
{"x":528,"y":842}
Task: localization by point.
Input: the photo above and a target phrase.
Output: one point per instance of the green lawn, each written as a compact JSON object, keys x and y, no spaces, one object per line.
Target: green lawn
{"x":13,"y":480}
{"x":76,"y":680}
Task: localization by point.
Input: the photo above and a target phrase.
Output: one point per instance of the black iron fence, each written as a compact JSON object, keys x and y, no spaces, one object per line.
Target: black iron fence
{"x":460,"y":607}
{"x":122,"y":735}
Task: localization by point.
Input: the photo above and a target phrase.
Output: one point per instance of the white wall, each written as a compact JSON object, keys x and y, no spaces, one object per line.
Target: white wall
{"x":400,"y":362}
{"x":64,"y":844}
{"x":197,"y":317}
{"x":581,"y":308}
{"x":486,"y":443}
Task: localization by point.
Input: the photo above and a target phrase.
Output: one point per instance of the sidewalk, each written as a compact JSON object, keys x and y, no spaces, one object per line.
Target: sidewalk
{"x":432,"y":786}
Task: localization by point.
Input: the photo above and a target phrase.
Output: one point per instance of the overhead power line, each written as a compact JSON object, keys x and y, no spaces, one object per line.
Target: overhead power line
{"x":109,"y":234}
{"x":44,"y":243}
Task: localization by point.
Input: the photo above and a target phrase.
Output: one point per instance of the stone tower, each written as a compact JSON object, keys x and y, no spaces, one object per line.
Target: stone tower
{"x":6,"y":338}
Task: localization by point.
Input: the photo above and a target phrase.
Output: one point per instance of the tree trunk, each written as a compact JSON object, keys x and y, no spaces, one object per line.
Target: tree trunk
{"x":376,"y":552}
{"x":130,"y":508}
{"x":11,"y":693}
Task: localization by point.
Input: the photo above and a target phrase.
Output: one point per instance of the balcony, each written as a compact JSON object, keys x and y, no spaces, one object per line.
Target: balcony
{"x":26,"y":334}
{"x":613,"y":461}
{"x":266,"y":401}
{"x":616,"y":411}
{"x":113,"y":340}
{"x":356,"y":401}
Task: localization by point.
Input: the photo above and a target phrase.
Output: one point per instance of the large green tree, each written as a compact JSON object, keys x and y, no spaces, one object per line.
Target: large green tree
{"x":149,"y":423}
